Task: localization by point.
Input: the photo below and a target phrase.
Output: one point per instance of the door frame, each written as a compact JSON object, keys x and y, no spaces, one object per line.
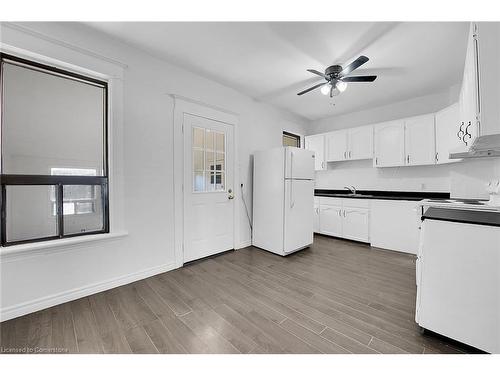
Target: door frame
{"x":183,"y":105}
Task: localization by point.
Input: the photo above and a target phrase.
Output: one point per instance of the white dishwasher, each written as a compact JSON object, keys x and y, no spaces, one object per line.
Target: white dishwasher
{"x":458,"y":282}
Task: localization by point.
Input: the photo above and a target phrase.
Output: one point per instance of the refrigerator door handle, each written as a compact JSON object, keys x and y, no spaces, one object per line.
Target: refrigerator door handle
{"x":291,"y":164}
{"x":292,"y":203}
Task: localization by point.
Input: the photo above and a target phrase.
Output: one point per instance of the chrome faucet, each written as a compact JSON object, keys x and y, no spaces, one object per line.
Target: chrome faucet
{"x":352,"y":189}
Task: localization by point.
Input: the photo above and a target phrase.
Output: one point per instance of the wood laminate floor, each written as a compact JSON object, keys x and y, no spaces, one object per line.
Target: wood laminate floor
{"x":335,"y":297}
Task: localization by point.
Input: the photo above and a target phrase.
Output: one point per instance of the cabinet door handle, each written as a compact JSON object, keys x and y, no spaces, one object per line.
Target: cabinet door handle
{"x":322,"y":165}
{"x":437,"y":157}
{"x":349,"y":154}
{"x":466,"y":133}
{"x":345,"y":152}
{"x":376,"y":160}
{"x":344,"y":213}
{"x":460,"y":133}
{"x":407,"y":159}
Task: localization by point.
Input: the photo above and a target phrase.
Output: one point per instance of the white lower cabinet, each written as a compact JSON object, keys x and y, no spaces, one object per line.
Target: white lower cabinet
{"x":345,"y":217}
{"x":356,"y":225}
{"x":330,"y":220}
{"x":394,"y":225}
{"x":388,"y":224}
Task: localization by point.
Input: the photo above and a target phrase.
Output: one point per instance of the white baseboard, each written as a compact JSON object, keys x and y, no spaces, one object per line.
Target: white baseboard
{"x":244,"y":244}
{"x":24,"y":308}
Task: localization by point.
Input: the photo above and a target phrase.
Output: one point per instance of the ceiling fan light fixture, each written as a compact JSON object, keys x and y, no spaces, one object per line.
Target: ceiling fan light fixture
{"x":325,"y":89}
{"x":341,"y":86}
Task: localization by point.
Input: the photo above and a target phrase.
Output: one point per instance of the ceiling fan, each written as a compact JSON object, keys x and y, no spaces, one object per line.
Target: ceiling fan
{"x":336,"y":78}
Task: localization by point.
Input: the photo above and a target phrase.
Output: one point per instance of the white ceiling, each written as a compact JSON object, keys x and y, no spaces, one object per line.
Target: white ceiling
{"x":268,"y":60}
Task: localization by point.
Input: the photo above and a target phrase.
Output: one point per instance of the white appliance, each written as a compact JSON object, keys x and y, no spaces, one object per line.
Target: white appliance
{"x":283,"y":198}
{"x":458,"y":273}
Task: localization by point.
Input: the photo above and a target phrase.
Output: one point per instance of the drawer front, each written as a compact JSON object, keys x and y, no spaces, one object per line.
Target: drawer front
{"x":357,"y":203}
{"x":330,"y":201}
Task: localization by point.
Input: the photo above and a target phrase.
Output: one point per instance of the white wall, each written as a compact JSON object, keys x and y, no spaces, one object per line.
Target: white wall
{"x":407,"y":108}
{"x":465,"y":179}
{"x":142,"y":163}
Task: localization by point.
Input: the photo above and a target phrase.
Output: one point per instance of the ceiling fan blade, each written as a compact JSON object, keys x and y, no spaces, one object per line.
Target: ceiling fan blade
{"x":354,"y":65}
{"x":312,"y":88}
{"x":359,"y":79}
{"x":316,"y":72}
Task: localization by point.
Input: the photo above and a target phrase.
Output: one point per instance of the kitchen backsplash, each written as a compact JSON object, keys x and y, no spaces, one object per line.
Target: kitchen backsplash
{"x":465,"y":179}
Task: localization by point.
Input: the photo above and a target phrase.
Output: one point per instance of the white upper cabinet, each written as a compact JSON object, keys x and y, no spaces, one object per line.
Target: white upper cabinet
{"x":389,"y":142}
{"x":419,"y":140}
{"x":447,"y":139}
{"x":469,"y":103}
{"x":316,"y":143}
{"x":360,"y":143}
{"x":350,"y":144}
{"x":336,"y":145}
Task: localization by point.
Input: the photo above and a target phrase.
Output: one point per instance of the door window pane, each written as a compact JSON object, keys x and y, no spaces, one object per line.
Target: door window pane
{"x":209,"y":139}
{"x":83,"y":209}
{"x":29,"y":213}
{"x":198,"y":137}
{"x":209,"y":157}
{"x":198,"y":160}
{"x":198,"y":181}
{"x":219,"y":142}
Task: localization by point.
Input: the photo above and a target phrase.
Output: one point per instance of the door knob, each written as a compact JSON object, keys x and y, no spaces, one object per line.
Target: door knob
{"x":230,"y":194}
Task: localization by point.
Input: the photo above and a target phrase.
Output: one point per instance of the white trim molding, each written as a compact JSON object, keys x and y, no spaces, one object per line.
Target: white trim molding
{"x":16,"y":252}
{"x":61,"y":43}
{"x":24,"y":308}
{"x":184,"y":105}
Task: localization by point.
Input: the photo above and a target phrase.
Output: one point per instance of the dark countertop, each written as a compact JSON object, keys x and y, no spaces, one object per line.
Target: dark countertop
{"x":380,"y":194}
{"x":463,"y":216}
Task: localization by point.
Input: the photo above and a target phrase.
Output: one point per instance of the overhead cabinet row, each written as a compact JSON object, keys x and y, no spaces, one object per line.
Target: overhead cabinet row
{"x":420,"y":140}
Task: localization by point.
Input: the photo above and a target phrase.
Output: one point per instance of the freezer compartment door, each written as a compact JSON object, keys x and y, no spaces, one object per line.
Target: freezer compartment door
{"x":299,"y":201}
{"x":299,"y":163}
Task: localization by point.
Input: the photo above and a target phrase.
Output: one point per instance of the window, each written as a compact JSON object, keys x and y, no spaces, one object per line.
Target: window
{"x":77,"y":199}
{"x":54,"y":167}
{"x":290,"y":139}
{"x":208,"y":154}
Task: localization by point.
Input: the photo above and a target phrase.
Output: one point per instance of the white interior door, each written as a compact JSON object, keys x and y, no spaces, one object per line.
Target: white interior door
{"x":208,"y":187}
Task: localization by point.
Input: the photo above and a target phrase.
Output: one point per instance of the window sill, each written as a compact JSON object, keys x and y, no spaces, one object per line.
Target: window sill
{"x":56,"y":245}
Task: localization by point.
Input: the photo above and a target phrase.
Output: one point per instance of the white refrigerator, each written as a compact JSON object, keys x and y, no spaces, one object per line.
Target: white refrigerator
{"x":283,"y":197}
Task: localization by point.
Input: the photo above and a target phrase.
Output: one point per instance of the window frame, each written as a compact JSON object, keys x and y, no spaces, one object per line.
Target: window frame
{"x":59,"y":181}
{"x":297,"y":137}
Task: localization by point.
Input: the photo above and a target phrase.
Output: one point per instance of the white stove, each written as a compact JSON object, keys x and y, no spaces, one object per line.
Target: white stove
{"x":460,"y":204}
